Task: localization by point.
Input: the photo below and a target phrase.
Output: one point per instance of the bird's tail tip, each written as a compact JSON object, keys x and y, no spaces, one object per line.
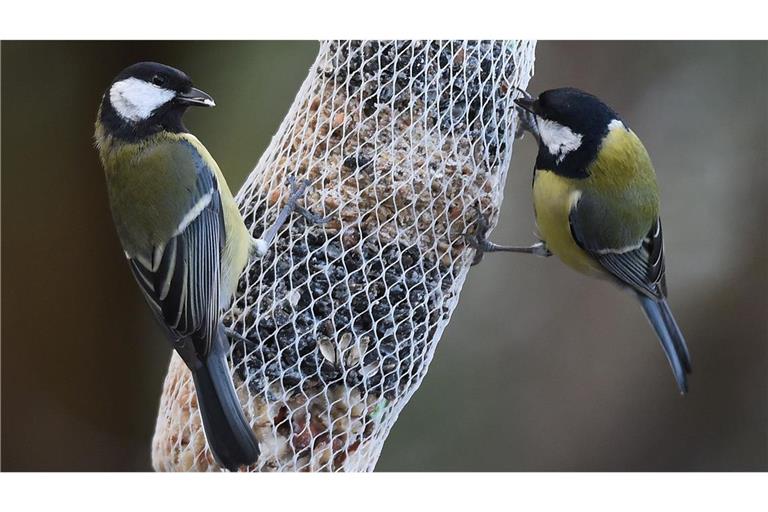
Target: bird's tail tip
{"x":229,"y":435}
{"x":671,"y":339}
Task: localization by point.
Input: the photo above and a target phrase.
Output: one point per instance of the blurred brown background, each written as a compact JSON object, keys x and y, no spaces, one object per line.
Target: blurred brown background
{"x":540,"y":368}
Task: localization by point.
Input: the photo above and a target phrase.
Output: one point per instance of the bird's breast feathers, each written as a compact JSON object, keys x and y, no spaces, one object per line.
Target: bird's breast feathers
{"x":553,"y":199}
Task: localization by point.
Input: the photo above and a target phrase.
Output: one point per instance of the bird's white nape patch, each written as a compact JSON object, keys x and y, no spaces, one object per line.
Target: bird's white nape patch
{"x":135,"y":99}
{"x":615,"y":124}
{"x":559,"y":139}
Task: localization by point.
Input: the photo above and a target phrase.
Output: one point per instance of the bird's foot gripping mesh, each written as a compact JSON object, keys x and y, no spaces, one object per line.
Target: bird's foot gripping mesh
{"x":399,"y":141}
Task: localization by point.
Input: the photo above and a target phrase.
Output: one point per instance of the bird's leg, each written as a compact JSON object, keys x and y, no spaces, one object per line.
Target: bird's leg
{"x":482,"y":245}
{"x":297,"y":191}
{"x":526,"y":121}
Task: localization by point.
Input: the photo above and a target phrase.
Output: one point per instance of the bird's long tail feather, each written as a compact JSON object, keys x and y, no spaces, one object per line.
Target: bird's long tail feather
{"x":229,"y":435}
{"x":671,"y":339}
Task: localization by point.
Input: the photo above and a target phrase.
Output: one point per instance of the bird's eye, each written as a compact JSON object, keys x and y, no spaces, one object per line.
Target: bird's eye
{"x":158,"y":80}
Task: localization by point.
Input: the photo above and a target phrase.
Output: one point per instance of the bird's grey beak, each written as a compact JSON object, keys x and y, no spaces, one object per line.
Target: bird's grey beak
{"x":529,"y":104}
{"x":195,"y":97}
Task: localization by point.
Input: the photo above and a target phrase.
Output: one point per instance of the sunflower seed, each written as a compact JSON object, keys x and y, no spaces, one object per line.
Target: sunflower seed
{"x":327,"y":349}
{"x":345,"y":341}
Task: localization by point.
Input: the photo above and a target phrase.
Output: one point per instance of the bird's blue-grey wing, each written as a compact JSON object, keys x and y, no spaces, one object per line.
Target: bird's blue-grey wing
{"x":181,"y":278}
{"x":635,"y":261}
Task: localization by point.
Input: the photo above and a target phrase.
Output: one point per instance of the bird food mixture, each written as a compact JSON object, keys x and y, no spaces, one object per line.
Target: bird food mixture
{"x":334,"y":328}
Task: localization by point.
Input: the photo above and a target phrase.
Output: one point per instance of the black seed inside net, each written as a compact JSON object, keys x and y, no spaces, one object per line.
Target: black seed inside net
{"x":308,"y":290}
{"x":461,"y":83}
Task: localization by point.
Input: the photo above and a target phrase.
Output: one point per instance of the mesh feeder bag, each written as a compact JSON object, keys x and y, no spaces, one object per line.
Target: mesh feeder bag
{"x":337,"y":324}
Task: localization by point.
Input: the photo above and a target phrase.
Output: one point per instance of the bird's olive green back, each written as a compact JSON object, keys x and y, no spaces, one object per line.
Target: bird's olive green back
{"x":152,"y":185}
{"x":621,"y":191}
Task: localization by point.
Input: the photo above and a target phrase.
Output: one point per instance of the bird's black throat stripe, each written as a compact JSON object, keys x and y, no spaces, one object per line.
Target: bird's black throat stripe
{"x":574,"y":164}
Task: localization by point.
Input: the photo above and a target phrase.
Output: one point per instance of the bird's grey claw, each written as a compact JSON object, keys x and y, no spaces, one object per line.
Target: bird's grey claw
{"x":297,"y":190}
{"x":476,"y":239}
{"x":297,"y":187}
{"x":481,"y":221}
{"x":477,"y":245}
{"x":234,"y":334}
{"x":471,"y":239}
{"x":312,"y":218}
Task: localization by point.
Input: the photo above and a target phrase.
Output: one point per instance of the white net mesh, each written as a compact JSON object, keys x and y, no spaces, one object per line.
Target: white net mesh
{"x":398,"y":140}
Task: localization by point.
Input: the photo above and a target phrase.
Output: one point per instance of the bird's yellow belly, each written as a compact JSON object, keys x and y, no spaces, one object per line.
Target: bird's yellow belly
{"x":553,"y":197}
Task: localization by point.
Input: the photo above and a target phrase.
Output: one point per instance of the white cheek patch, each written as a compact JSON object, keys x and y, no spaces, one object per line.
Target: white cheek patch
{"x":560,"y":140}
{"x":135,"y":99}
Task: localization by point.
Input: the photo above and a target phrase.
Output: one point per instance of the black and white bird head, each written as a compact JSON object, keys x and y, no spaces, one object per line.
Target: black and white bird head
{"x":571,"y":125}
{"x":148,"y":97}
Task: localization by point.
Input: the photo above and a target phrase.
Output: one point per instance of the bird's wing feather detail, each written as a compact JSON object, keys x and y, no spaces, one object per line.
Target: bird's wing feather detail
{"x":637,"y":264}
{"x":184,"y":286}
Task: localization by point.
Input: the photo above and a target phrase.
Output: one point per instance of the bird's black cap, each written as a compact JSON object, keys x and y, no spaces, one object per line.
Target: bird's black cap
{"x":176,"y":91}
{"x":585,"y":115}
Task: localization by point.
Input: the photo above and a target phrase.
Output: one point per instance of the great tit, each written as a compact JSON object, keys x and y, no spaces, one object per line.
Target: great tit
{"x":596,"y":204}
{"x":182,"y":233}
